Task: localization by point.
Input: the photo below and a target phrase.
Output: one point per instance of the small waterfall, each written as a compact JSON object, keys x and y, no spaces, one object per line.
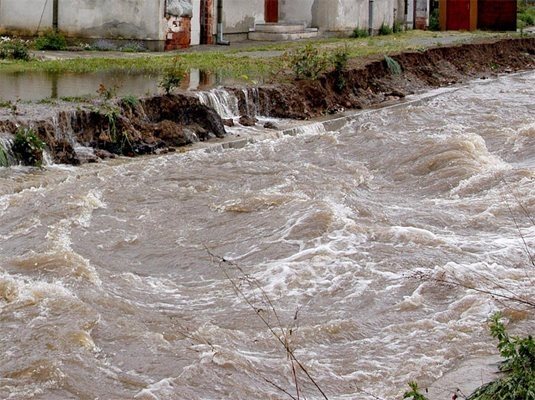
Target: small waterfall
{"x":6,"y":148}
{"x":224,"y":102}
{"x":252,"y":101}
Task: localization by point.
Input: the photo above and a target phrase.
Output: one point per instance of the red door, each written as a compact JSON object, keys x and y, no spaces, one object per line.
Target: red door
{"x":272,"y":10}
{"x":458,"y":15}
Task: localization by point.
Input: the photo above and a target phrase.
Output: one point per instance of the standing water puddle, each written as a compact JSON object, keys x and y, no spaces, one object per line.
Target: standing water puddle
{"x":35,"y":86}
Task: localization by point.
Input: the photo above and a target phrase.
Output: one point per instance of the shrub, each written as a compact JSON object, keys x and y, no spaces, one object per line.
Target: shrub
{"x":14,"y":49}
{"x":28,"y":148}
{"x":51,"y":40}
{"x":340,"y":58}
{"x":307,"y":62}
{"x":518,"y":367}
{"x":385,"y":30}
{"x":398,"y":27}
{"x":360,"y":33}
{"x":434,"y":21}
{"x":172,"y":77}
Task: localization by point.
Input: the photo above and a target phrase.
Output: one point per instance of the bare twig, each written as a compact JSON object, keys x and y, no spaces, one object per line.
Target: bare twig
{"x":282,"y":340}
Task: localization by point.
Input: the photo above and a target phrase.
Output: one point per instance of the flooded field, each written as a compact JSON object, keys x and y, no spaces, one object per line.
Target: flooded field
{"x":108,"y":289}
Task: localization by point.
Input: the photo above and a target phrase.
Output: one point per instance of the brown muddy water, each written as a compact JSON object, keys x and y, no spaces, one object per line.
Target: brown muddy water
{"x":35,"y":86}
{"x":107,"y":290}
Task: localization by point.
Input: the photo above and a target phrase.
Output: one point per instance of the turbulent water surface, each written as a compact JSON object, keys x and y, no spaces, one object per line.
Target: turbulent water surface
{"x":108,"y":290}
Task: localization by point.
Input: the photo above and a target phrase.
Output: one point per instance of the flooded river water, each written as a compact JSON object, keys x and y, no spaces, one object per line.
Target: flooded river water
{"x":107,"y":290}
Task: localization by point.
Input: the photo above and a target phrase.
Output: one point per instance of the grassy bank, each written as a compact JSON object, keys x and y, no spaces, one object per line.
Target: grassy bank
{"x":241,"y":60}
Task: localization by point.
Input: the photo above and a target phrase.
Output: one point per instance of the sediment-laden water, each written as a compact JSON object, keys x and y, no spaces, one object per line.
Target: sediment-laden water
{"x":108,"y":290}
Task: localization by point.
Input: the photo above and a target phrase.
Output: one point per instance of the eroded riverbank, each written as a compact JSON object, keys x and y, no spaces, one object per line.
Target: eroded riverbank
{"x":81,"y":132}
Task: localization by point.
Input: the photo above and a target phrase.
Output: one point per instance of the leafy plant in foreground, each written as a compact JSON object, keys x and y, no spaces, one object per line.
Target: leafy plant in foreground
{"x":518,"y":367}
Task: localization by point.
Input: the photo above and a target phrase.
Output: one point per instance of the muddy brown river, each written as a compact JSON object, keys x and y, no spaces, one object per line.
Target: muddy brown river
{"x":108,"y":290}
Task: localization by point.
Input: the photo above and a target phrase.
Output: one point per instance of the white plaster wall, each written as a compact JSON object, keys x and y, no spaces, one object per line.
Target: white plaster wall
{"x":25,"y":14}
{"x":128,"y":19}
{"x":338,"y":15}
{"x":296,"y":11}
{"x":241,"y":15}
{"x":196,"y":23}
{"x":383,"y":13}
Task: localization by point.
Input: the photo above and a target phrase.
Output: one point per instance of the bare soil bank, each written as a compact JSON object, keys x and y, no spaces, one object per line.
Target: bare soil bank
{"x":161,"y":123}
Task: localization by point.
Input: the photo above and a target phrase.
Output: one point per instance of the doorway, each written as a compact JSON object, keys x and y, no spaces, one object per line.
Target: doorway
{"x":271,"y":11}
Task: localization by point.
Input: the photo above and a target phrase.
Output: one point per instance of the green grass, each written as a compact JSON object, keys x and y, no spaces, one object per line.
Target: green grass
{"x":244,"y":61}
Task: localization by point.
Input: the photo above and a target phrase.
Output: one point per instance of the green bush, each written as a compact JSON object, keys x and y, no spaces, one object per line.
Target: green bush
{"x":360,"y":33}
{"x":51,"y":40}
{"x":14,"y":49}
{"x":526,"y":14}
{"x":434,"y":21}
{"x":385,"y":30}
{"x":398,"y":27}
{"x":28,"y":148}
{"x":518,"y":367}
{"x":307,"y":62}
{"x":340,"y":59}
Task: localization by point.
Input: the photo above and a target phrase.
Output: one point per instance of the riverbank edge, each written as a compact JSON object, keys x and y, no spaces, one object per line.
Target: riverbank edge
{"x":160,"y":124}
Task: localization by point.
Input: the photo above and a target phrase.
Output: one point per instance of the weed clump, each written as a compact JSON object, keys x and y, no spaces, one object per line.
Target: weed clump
{"x":307,"y":62}
{"x":360,"y":33}
{"x":434,"y":21}
{"x":393,"y":66}
{"x":28,"y":148}
{"x":385,"y":30}
{"x":172,"y":77}
{"x":340,"y":59}
{"x":130,"y":101}
{"x":51,"y":40}
{"x":14,"y":49}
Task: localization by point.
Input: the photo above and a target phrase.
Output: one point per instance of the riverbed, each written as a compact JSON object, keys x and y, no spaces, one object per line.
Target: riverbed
{"x":169,"y":277}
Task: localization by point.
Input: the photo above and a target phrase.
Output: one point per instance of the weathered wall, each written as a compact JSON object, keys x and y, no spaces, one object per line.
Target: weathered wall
{"x":241,"y":15}
{"x":115,"y":19}
{"x":296,"y":11}
{"x":497,"y":15}
{"x":340,"y":15}
{"x":25,"y":15}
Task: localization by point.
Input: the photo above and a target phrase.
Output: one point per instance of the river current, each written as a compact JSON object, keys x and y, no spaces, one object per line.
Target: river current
{"x":111,"y":285}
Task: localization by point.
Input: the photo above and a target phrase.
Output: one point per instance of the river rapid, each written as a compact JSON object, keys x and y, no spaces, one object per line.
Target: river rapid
{"x":108,"y":289}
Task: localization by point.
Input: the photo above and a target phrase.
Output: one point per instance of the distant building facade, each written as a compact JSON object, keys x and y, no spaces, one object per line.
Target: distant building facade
{"x":171,"y":24}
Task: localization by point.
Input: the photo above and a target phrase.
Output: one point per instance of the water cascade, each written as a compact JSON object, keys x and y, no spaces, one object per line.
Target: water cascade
{"x":224,"y":102}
